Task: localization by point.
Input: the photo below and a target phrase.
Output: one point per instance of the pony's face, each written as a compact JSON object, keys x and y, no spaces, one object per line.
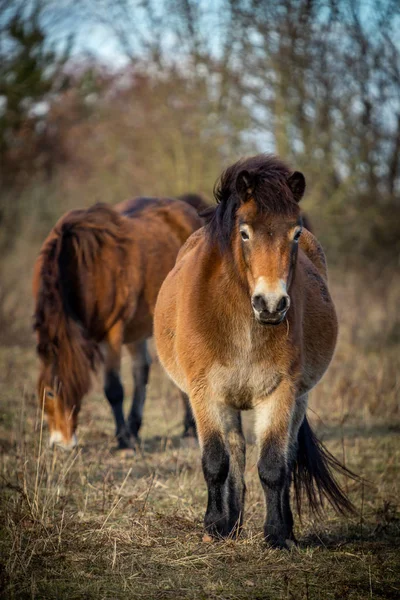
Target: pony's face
{"x":61,"y":419}
{"x":267,"y":244}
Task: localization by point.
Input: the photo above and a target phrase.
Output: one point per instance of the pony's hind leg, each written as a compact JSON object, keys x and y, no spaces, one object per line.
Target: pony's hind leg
{"x":273,"y":429}
{"x":112,"y":383}
{"x":237,"y":453}
{"x":141,"y":362}
{"x":299,"y":411}
{"x":189,"y":424}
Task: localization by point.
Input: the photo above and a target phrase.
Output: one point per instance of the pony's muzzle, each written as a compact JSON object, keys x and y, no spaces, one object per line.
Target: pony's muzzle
{"x":57,"y":439}
{"x":270,"y":309}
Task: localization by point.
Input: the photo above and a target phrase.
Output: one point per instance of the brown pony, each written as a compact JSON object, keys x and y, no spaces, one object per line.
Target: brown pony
{"x":245,"y":321}
{"x":96,"y":282}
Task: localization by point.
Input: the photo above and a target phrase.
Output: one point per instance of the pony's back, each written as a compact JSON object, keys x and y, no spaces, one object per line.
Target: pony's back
{"x":180,"y":215}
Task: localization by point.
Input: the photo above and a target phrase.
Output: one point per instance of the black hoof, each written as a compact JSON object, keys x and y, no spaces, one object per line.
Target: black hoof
{"x":293,"y":540}
{"x":124,"y":441}
{"x":279,"y":536}
{"x":279,"y":543}
{"x":217,"y":529}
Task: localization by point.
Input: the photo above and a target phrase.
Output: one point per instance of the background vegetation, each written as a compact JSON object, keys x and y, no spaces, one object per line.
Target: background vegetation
{"x":101,"y":101}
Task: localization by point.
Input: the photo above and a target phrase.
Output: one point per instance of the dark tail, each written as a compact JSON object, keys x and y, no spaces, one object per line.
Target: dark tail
{"x":313,"y":474}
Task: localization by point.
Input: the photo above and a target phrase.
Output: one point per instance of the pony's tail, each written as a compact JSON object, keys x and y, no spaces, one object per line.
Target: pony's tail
{"x":314,"y":474}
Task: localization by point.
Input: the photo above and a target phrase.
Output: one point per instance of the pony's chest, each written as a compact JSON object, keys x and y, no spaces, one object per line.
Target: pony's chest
{"x":244,"y":382}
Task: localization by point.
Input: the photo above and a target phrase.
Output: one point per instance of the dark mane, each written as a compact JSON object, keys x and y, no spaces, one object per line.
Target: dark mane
{"x":195,"y":200}
{"x":270,"y":191}
{"x":136,"y":208}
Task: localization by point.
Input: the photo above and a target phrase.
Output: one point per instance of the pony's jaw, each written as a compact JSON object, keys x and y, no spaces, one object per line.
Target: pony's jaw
{"x":57,"y":439}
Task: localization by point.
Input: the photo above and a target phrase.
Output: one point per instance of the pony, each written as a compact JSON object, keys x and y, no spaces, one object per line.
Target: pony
{"x":95,"y":286}
{"x":245,"y":321}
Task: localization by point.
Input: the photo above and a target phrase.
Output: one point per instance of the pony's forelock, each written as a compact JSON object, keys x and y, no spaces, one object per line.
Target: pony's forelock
{"x":271,"y":193}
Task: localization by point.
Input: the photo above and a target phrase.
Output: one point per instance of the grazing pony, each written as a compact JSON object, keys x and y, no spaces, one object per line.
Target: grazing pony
{"x":96,"y":282}
{"x":245,"y":321}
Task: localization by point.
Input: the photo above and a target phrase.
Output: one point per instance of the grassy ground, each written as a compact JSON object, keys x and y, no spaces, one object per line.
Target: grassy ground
{"x":98,"y":523}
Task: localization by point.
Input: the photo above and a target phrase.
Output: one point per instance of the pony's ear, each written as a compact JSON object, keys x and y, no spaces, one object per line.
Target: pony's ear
{"x":297,"y":183}
{"x":245,"y":185}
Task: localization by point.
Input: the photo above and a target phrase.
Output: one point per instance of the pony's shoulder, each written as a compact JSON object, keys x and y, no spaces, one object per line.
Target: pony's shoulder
{"x":314,"y":252}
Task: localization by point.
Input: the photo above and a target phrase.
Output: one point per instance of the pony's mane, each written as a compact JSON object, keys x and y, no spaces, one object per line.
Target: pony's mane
{"x":195,"y":200}
{"x":65,"y":311}
{"x":136,"y":207}
{"x":271,"y":193}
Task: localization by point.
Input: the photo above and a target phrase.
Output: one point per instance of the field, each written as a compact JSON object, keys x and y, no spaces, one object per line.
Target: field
{"x":97,"y":523}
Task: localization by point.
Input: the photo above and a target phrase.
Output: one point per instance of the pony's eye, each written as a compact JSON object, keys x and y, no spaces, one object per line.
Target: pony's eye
{"x":49,"y":394}
{"x":297,"y":236}
{"x":245,"y":235}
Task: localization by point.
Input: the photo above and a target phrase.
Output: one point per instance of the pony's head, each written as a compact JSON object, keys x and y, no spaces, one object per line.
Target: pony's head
{"x":62,"y":417}
{"x":64,"y":378}
{"x":258,"y":219}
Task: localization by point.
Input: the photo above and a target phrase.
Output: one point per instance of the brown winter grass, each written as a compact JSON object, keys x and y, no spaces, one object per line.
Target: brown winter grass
{"x":97,"y":523}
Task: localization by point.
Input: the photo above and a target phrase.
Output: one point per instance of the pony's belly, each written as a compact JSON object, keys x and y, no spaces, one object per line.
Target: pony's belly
{"x":243,"y":387}
{"x":311,"y":376}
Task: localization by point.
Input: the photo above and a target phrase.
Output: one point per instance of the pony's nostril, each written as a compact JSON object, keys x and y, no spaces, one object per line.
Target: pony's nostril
{"x":282,"y":304}
{"x":259,"y":302}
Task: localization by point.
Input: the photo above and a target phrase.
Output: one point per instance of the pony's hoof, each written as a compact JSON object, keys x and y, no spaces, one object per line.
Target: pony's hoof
{"x":278,"y":543}
{"x":217,"y":530}
{"x":124,"y":443}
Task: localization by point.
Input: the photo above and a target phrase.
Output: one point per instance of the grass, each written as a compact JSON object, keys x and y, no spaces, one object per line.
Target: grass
{"x":97,"y":523}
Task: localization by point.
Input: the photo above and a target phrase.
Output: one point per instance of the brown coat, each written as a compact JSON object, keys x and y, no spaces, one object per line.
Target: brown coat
{"x":96,"y":280}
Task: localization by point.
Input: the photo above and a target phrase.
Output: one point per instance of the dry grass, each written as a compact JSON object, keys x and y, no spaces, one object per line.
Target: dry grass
{"x":101,"y":524}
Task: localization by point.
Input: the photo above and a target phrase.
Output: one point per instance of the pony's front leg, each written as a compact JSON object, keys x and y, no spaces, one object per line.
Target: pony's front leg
{"x":222,"y":442}
{"x":215,"y":462}
{"x":112,"y":383}
{"x":273,"y":430}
